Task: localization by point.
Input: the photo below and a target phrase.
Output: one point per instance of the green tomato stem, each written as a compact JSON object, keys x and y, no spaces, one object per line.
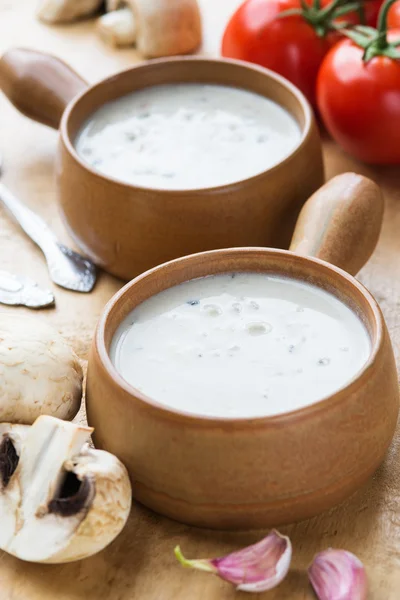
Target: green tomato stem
{"x":381,"y":41}
{"x":374,"y":42}
{"x":323,"y":19}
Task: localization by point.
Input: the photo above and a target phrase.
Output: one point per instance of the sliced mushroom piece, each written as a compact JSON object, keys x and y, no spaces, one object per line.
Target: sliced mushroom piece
{"x":159,"y":27}
{"x":12,"y":438}
{"x":64,"y":501}
{"x":65,"y":11}
{"x":39,"y":372}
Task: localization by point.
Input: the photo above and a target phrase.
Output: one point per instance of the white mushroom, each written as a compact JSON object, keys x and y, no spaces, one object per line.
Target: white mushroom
{"x":39,"y":373}
{"x":12,"y":438}
{"x":64,"y":11}
{"x":118,"y":27}
{"x":60,"y":500}
{"x":159,"y":27}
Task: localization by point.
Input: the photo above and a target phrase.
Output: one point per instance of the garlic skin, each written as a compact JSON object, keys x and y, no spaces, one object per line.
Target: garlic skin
{"x":338,"y":575}
{"x":65,"y":11}
{"x":39,"y":372}
{"x":60,"y":500}
{"x":256,"y":568}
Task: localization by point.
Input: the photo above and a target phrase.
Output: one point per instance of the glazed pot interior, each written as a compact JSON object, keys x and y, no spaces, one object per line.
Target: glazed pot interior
{"x":186,"y":70}
{"x":268,"y":261}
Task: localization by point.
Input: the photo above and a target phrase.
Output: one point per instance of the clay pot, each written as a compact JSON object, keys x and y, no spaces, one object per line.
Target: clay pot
{"x":127,"y":229}
{"x":257,"y":472}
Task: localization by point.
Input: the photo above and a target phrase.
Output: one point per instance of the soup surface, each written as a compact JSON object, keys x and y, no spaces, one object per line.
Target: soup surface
{"x":240,"y":345}
{"x":187,"y":136}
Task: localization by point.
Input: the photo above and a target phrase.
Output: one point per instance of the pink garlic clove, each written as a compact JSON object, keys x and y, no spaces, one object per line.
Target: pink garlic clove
{"x":257,"y":568}
{"x":338,"y":575}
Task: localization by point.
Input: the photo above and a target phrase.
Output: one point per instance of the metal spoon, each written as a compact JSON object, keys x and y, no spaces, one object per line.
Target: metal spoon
{"x":67,"y":268}
{"x":16,"y":290}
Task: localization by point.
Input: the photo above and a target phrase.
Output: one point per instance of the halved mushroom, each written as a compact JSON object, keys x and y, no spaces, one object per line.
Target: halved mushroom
{"x":65,"y":11}
{"x":39,"y":372}
{"x":159,"y":27}
{"x":12,"y":438}
{"x":60,"y":500}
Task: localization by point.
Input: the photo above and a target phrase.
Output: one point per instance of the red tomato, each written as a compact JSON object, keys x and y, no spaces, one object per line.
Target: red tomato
{"x":360,"y":102}
{"x":288,"y":45}
{"x":371,"y":11}
{"x":394,"y":16}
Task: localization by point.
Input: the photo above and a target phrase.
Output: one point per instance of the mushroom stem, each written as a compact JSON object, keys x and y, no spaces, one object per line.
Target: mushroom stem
{"x":118,"y":28}
{"x":158,"y":27}
{"x":46,"y":449}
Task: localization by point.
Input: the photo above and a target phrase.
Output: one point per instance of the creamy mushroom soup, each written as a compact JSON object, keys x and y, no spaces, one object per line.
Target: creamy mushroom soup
{"x":187,"y":136}
{"x":240,"y":345}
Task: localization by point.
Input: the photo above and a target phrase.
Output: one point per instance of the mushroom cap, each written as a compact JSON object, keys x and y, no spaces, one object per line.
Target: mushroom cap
{"x":39,"y":373}
{"x":110,"y":508}
{"x":64,"y":501}
{"x":64,"y":11}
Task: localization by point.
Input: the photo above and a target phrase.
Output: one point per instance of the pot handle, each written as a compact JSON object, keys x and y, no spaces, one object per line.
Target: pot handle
{"x":341,"y":222}
{"x":39,"y":85}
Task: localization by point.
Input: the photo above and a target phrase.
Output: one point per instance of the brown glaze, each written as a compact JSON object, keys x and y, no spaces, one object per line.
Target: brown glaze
{"x":341,"y":222}
{"x":127,"y":229}
{"x":39,"y":85}
{"x":244,"y":473}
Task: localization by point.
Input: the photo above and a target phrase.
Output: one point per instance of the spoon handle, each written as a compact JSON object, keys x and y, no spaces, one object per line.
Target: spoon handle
{"x":16,"y":290}
{"x":67,"y":268}
{"x":341,"y":222}
{"x":30,"y":222}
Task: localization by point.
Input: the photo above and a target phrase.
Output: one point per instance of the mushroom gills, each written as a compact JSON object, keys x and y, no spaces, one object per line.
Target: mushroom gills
{"x":74,"y":496}
{"x":12,"y":437}
{"x":8,"y":460}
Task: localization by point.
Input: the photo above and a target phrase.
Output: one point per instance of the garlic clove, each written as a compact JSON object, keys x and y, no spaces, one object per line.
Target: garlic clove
{"x":256,"y":568}
{"x":69,"y":501}
{"x":338,"y":575}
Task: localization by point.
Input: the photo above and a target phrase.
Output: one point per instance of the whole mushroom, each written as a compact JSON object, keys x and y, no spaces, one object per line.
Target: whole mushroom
{"x":158,"y":27}
{"x":39,"y":373}
{"x":65,"y":11}
{"x":60,"y":500}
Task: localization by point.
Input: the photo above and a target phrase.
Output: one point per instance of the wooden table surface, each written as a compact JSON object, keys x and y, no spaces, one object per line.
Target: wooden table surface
{"x":140,"y":564}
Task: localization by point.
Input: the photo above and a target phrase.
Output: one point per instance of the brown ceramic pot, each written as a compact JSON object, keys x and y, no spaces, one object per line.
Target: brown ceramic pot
{"x":127,"y":229}
{"x":243,"y":473}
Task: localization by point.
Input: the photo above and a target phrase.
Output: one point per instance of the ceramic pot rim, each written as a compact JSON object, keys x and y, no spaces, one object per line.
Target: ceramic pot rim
{"x":293,"y":90}
{"x":377,"y":340}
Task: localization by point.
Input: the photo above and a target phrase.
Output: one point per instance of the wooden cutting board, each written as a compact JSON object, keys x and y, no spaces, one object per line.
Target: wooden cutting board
{"x":140,"y":564}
